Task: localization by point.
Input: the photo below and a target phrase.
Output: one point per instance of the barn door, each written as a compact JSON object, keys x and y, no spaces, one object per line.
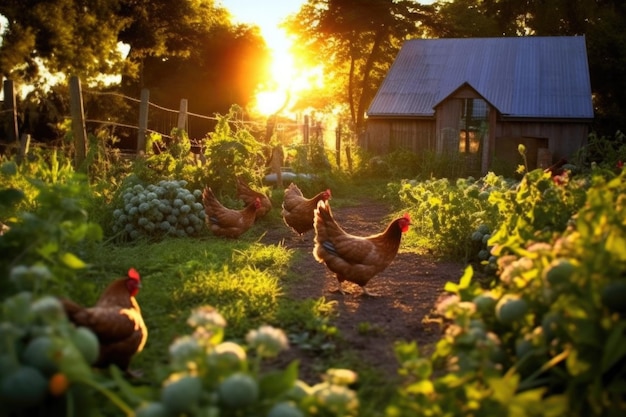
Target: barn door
{"x":473,"y":131}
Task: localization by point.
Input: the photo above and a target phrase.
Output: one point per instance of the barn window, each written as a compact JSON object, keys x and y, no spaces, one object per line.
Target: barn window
{"x":473,"y":124}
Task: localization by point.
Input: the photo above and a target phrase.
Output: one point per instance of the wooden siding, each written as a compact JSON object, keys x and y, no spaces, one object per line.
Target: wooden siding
{"x":387,"y":135}
{"x":563,"y":139}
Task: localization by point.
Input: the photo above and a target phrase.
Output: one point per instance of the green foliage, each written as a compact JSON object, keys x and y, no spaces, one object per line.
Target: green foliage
{"x":231,"y":152}
{"x":209,"y":375}
{"x":537,"y":210}
{"x":45,"y":166}
{"x":170,"y":160}
{"x":46,"y":369}
{"x":56,"y":234}
{"x":602,"y":152}
{"x":64,"y":37}
{"x":46,"y":361}
{"x":548,"y":337}
{"x":445,"y":215}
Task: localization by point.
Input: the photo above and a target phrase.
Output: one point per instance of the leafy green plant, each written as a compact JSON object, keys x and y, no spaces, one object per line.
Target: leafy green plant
{"x":537,"y":210}
{"x":445,"y":215}
{"x":46,"y":368}
{"x":231,"y":153}
{"x":46,"y":361}
{"x":547,"y":338}
{"x":158,"y":210}
{"x":56,"y":234}
{"x":208,"y":375}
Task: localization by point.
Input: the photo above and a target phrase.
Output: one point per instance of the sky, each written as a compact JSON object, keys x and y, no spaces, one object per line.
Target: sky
{"x":266,"y":15}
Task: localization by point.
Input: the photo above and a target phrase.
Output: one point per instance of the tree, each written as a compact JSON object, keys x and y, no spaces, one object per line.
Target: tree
{"x":60,"y":36}
{"x":356,"y":41}
{"x":223,"y":69}
{"x":185,"y":49}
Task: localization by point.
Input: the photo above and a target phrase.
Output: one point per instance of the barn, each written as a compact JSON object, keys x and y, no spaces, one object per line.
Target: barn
{"x":482,"y":97}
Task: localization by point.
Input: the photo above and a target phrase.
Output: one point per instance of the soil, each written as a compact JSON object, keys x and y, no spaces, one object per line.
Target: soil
{"x":404,"y":310}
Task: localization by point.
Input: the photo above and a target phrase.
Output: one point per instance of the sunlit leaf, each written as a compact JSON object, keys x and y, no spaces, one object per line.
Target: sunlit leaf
{"x":72,"y":261}
{"x":575,"y":365}
{"x":424,"y":387}
{"x":504,"y":388}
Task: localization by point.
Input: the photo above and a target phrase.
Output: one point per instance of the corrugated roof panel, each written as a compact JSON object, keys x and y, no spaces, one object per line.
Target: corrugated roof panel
{"x":524,"y":76}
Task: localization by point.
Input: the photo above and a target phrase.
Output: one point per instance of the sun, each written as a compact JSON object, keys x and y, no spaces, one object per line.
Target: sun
{"x":286,"y":82}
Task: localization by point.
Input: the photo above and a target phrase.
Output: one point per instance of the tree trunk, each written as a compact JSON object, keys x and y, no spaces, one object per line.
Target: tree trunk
{"x":365,"y":90}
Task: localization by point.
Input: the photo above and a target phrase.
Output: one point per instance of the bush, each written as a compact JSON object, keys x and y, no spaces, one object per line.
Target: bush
{"x":548,"y":337}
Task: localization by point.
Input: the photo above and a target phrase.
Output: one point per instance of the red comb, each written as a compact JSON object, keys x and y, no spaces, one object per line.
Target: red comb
{"x":133,"y":274}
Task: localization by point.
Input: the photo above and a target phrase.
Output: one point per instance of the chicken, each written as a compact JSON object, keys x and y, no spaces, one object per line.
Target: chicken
{"x":116,"y":320}
{"x":248,"y":196}
{"x":557,"y":168}
{"x":354,"y":258}
{"x":298,"y":210}
{"x":226,"y":222}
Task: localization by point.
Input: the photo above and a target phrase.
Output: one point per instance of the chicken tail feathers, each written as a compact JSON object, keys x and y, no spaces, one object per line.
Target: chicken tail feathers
{"x":70,"y":307}
{"x":330,"y":248}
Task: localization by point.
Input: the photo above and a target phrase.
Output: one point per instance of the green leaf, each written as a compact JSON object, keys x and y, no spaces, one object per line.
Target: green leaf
{"x":464,"y":282}
{"x":10,"y":197}
{"x":134,"y":394}
{"x":424,"y":387}
{"x":575,"y":365}
{"x":615,"y":349}
{"x":275,"y":383}
{"x":504,"y":388}
{"x":466,"y":279}
{"x":616,"y":244}
{"x":72,"y":261}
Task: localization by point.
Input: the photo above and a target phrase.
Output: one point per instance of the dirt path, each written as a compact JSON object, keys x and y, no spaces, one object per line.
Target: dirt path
{"x":408,"y":289}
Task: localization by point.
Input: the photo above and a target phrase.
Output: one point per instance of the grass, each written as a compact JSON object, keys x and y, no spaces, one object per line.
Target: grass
{"x":246,"y":282}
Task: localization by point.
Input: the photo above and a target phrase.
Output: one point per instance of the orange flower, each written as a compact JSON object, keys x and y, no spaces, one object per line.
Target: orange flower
{"x":58,"y":384}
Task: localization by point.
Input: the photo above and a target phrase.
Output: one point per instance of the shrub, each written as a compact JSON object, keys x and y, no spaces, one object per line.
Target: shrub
{"x":547,"y":338}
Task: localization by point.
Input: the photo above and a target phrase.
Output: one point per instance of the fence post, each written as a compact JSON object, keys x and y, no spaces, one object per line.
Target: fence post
{"x":182,"y":114}
{"x":10,"y":105}
{"x":338,"y":144}
{"x":78,"y":122}
{"x":143,"y":121}
{"x":24,"y":146}
{"x":305,"y":129}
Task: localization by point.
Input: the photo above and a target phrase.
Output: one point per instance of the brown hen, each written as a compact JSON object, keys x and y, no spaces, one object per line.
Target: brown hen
{"x":226,"y":222}
{"x":354,"y":258}
{"x":115,"y":319}
{"x":297,"y":210}
{"x":248,"y":196}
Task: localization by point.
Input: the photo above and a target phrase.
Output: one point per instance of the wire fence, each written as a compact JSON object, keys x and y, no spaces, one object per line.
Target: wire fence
{"x":135,"y":118}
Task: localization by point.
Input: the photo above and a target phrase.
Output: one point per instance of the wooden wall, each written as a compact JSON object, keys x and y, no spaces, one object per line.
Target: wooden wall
{"x":563,"y":139}
{"x":387,"y":135}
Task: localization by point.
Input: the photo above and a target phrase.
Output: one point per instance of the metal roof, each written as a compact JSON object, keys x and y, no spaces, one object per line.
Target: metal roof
{"x":543,"y":77}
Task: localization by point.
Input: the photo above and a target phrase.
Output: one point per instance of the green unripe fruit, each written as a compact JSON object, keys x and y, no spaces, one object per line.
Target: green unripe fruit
{"x":87,"y":344}
{"x":38,"y":354}
{"x":560,"y":272}
{"x":25,"y":387}
{"x":238,"y":390}
{"x":511,"y":309}
{"x":285,"y":409}
{"x":613,"y":296}
{"x":152,"y":410}
{"x":182,"y":395}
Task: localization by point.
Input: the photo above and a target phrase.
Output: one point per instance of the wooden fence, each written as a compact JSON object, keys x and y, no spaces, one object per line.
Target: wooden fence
{"x":79,"y":128}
